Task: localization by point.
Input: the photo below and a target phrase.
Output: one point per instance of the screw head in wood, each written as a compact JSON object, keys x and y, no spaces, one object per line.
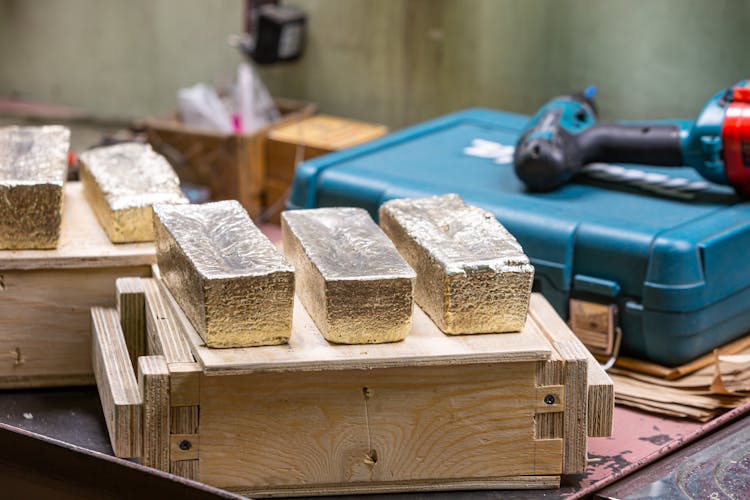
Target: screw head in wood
{"x":549,"y":399}
{"x":185,"y":445}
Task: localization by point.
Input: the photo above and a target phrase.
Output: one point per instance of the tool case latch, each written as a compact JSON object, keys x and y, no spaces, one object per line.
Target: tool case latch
{"x":597,"y":286}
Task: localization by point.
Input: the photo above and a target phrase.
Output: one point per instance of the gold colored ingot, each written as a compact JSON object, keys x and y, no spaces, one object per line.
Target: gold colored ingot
{"x":232,"y":283}
{"x":122,"y":183}
{"x":472,"y":275}
{"x":350,"y":278}
{"x":33,"y":168}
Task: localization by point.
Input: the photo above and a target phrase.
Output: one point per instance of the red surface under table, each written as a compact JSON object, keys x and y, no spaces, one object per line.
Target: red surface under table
{"x":639,"y":439}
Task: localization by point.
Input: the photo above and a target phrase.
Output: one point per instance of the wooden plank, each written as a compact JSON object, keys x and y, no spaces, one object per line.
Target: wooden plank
{"x":409,"y":425}
{"x":600,"y":396}
{"x":153,"y":381}
{"x":118,"y":389}
{"x":131,"y":307}
{"x":83,"y":243}
{"x":384,"y":487}
{"x":164,"y":336}
{"x":45,"y":322}
{"x":307,"y":350}
{"x":572,"y":351}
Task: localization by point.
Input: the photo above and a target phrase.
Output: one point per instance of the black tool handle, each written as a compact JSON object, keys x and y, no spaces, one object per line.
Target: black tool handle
{"x":646,"y":144}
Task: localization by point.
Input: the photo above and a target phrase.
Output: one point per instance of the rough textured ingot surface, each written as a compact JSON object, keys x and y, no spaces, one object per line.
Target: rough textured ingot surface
{"x":33,"y":168}
{"x":233,"y":284}
{"x":472,"y":275}
{"x":122,"y":183}
{"x":350,"y":277}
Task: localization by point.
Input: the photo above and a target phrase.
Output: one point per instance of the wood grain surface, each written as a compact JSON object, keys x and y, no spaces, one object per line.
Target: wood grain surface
{"x":45,"y":324}
{"x":357,"y":426}
{"x":153,"y":383}
{"x":307,"y":350}
{"x":118,"y":389}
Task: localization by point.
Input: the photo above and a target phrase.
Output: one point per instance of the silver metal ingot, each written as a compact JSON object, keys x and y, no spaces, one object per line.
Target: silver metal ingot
{"x":233,"y":284}
{"x":122,"y":183}
{"x":472,"y":275}
{"x":350,"y":277}
{"x":33,"y":168}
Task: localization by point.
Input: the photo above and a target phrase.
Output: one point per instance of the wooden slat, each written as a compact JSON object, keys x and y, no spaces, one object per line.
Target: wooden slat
{"x":83,"y":242}
{"x":412,"y":425}
{"x":131,"y":307}
{"x":45,"y":323}
{"x":307,"y":350}
{"x":600,"y":397}
{"x":153,"y":380}
{"x":572,"y":351}
{"x":118,"y":389}
{"x":164,"y":336}
{"x":496,"y":483}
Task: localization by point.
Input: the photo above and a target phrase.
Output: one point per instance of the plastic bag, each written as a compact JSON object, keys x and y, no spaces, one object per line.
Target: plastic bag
{"x":253,"y":102}
{"x":200,"y":107}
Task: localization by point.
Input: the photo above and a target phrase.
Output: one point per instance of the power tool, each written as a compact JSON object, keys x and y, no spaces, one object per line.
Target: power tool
{"x":564,"y":136}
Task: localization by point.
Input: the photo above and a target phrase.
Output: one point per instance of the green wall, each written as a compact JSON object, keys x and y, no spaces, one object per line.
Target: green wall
{"x":392,"y":61}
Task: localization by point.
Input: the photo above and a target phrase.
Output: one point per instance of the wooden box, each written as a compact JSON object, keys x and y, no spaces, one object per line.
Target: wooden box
{"x":433,"y":412}
{"x":45,"y":297}
{"x":231,"y":165}
{"x":303,"y":140}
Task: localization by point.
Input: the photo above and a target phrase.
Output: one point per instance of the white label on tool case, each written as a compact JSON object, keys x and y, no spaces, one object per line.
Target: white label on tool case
{"x":496,"y":151}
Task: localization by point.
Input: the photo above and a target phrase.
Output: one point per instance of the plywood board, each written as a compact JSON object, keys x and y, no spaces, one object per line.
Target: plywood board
{"x":153,"y":383}
{"x":83,"y":243}
{"x":118,"y":389}
{"x":45,"y":324}
{"x":131,"y":306}
{"x":406,"y":425}
{"x":307,"y":350}
{"x":496,"y":483}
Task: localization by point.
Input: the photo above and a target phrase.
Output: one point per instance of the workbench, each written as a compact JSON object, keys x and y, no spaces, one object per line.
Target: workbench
{"x":625,"y":463}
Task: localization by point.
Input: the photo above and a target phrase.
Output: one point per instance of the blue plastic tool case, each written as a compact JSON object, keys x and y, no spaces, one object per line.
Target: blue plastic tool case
{"x":678,"y":270}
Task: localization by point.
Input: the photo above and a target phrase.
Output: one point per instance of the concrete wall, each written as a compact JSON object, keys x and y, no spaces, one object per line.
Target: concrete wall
{"x":392,"y":61}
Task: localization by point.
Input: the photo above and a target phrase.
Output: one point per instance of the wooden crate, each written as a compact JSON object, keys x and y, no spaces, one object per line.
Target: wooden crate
{"x":433,"y":412}
{"x":45,"y":297}
{"x":303,"y":140}
{"x":231,"y":165}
